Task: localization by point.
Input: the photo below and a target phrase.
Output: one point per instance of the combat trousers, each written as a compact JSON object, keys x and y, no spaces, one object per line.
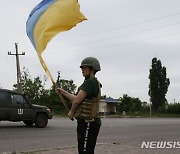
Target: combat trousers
{"x":87,"y":133}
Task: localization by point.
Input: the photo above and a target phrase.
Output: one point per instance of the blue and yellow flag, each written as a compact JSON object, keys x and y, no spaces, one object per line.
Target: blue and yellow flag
{"x":47,"y":19}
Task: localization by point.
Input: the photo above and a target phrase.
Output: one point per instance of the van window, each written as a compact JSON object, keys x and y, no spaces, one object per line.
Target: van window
{"x":3,"y":96}
{"x":17,"y":99}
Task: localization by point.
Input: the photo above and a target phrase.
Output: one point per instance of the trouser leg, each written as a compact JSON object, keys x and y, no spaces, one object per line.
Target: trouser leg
{"x":87,"y":146}
{"x":92,"y":137}
{"x":81,"y":131}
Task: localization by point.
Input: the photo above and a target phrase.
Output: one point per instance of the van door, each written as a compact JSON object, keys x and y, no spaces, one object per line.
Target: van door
{"x":20,"y":109}
{"x":4,"y":105}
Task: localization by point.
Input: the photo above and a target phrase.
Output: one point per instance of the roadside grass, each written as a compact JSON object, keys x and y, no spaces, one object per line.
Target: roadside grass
{"x":145,"y":115}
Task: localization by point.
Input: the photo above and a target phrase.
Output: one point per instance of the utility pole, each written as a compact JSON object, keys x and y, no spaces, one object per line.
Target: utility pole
{"x":19,"y":80}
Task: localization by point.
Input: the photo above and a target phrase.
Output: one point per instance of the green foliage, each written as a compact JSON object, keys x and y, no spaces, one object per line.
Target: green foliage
{"x":174,"y":108}
{"x":129,"y":104}
{"x":54,"y":101}
{"x":68,"y":85}
{"x":158,"y":86}
{"x":35,"y":91}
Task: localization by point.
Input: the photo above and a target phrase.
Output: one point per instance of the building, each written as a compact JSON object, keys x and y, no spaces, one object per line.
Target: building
{"x":108,"y":106}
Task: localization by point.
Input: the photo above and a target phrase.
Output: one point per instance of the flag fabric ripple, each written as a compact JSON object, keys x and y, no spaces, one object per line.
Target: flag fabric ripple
{"x":49,"y":18}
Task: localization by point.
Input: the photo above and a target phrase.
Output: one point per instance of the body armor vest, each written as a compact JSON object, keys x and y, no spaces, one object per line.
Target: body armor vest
{"x":89,"y":108}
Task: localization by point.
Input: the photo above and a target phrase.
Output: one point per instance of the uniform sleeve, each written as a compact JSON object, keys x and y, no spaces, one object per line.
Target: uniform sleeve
{"x":87,"y":87}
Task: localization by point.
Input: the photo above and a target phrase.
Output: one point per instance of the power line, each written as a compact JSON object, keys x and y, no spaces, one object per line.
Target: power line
{"x":162,"y":36}
{"x":132,"y":52}
{"x":125,"y":26}
{"x":116,"y":37}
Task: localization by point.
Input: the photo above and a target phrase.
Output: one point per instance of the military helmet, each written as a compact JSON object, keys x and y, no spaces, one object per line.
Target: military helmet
{"x":91,"y":61}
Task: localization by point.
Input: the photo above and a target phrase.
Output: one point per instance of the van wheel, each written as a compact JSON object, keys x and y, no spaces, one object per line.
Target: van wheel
{"x":41,"y":121}
{"x":28,"y":122}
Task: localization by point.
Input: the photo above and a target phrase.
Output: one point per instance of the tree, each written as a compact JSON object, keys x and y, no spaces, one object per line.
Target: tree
{"x":68,"y":85}
{"x":34,"y":89}
{"x":174,"y":108}
{"x":54,"y":101}
{"x":158,"y":85}
{"x":129,"y":104}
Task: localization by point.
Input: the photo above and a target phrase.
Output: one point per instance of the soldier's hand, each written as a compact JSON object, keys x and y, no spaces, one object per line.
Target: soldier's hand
{"x":71,"y":115}
{"x":58,"y":90}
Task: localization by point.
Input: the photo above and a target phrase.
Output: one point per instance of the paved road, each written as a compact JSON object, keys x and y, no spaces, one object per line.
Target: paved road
{"x":124,"y":134}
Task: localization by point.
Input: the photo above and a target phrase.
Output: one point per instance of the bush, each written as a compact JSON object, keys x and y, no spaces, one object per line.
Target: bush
{"x":129,"y":104}
{"x":174,"y":108}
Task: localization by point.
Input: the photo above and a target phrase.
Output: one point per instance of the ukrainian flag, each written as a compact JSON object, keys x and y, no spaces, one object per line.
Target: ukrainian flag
{"x":47,"y":19}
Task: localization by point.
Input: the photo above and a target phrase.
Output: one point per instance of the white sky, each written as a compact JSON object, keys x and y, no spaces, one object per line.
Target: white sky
{"x":123,"y":34}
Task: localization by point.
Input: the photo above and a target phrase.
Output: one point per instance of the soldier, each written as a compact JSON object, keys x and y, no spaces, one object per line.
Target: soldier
{"x":85,"y":106}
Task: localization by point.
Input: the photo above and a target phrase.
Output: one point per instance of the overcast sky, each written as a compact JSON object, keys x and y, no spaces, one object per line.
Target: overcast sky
{"x":123,"y":34}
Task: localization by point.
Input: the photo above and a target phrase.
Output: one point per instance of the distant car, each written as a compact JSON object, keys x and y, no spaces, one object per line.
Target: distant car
{"x":15,"y":107}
